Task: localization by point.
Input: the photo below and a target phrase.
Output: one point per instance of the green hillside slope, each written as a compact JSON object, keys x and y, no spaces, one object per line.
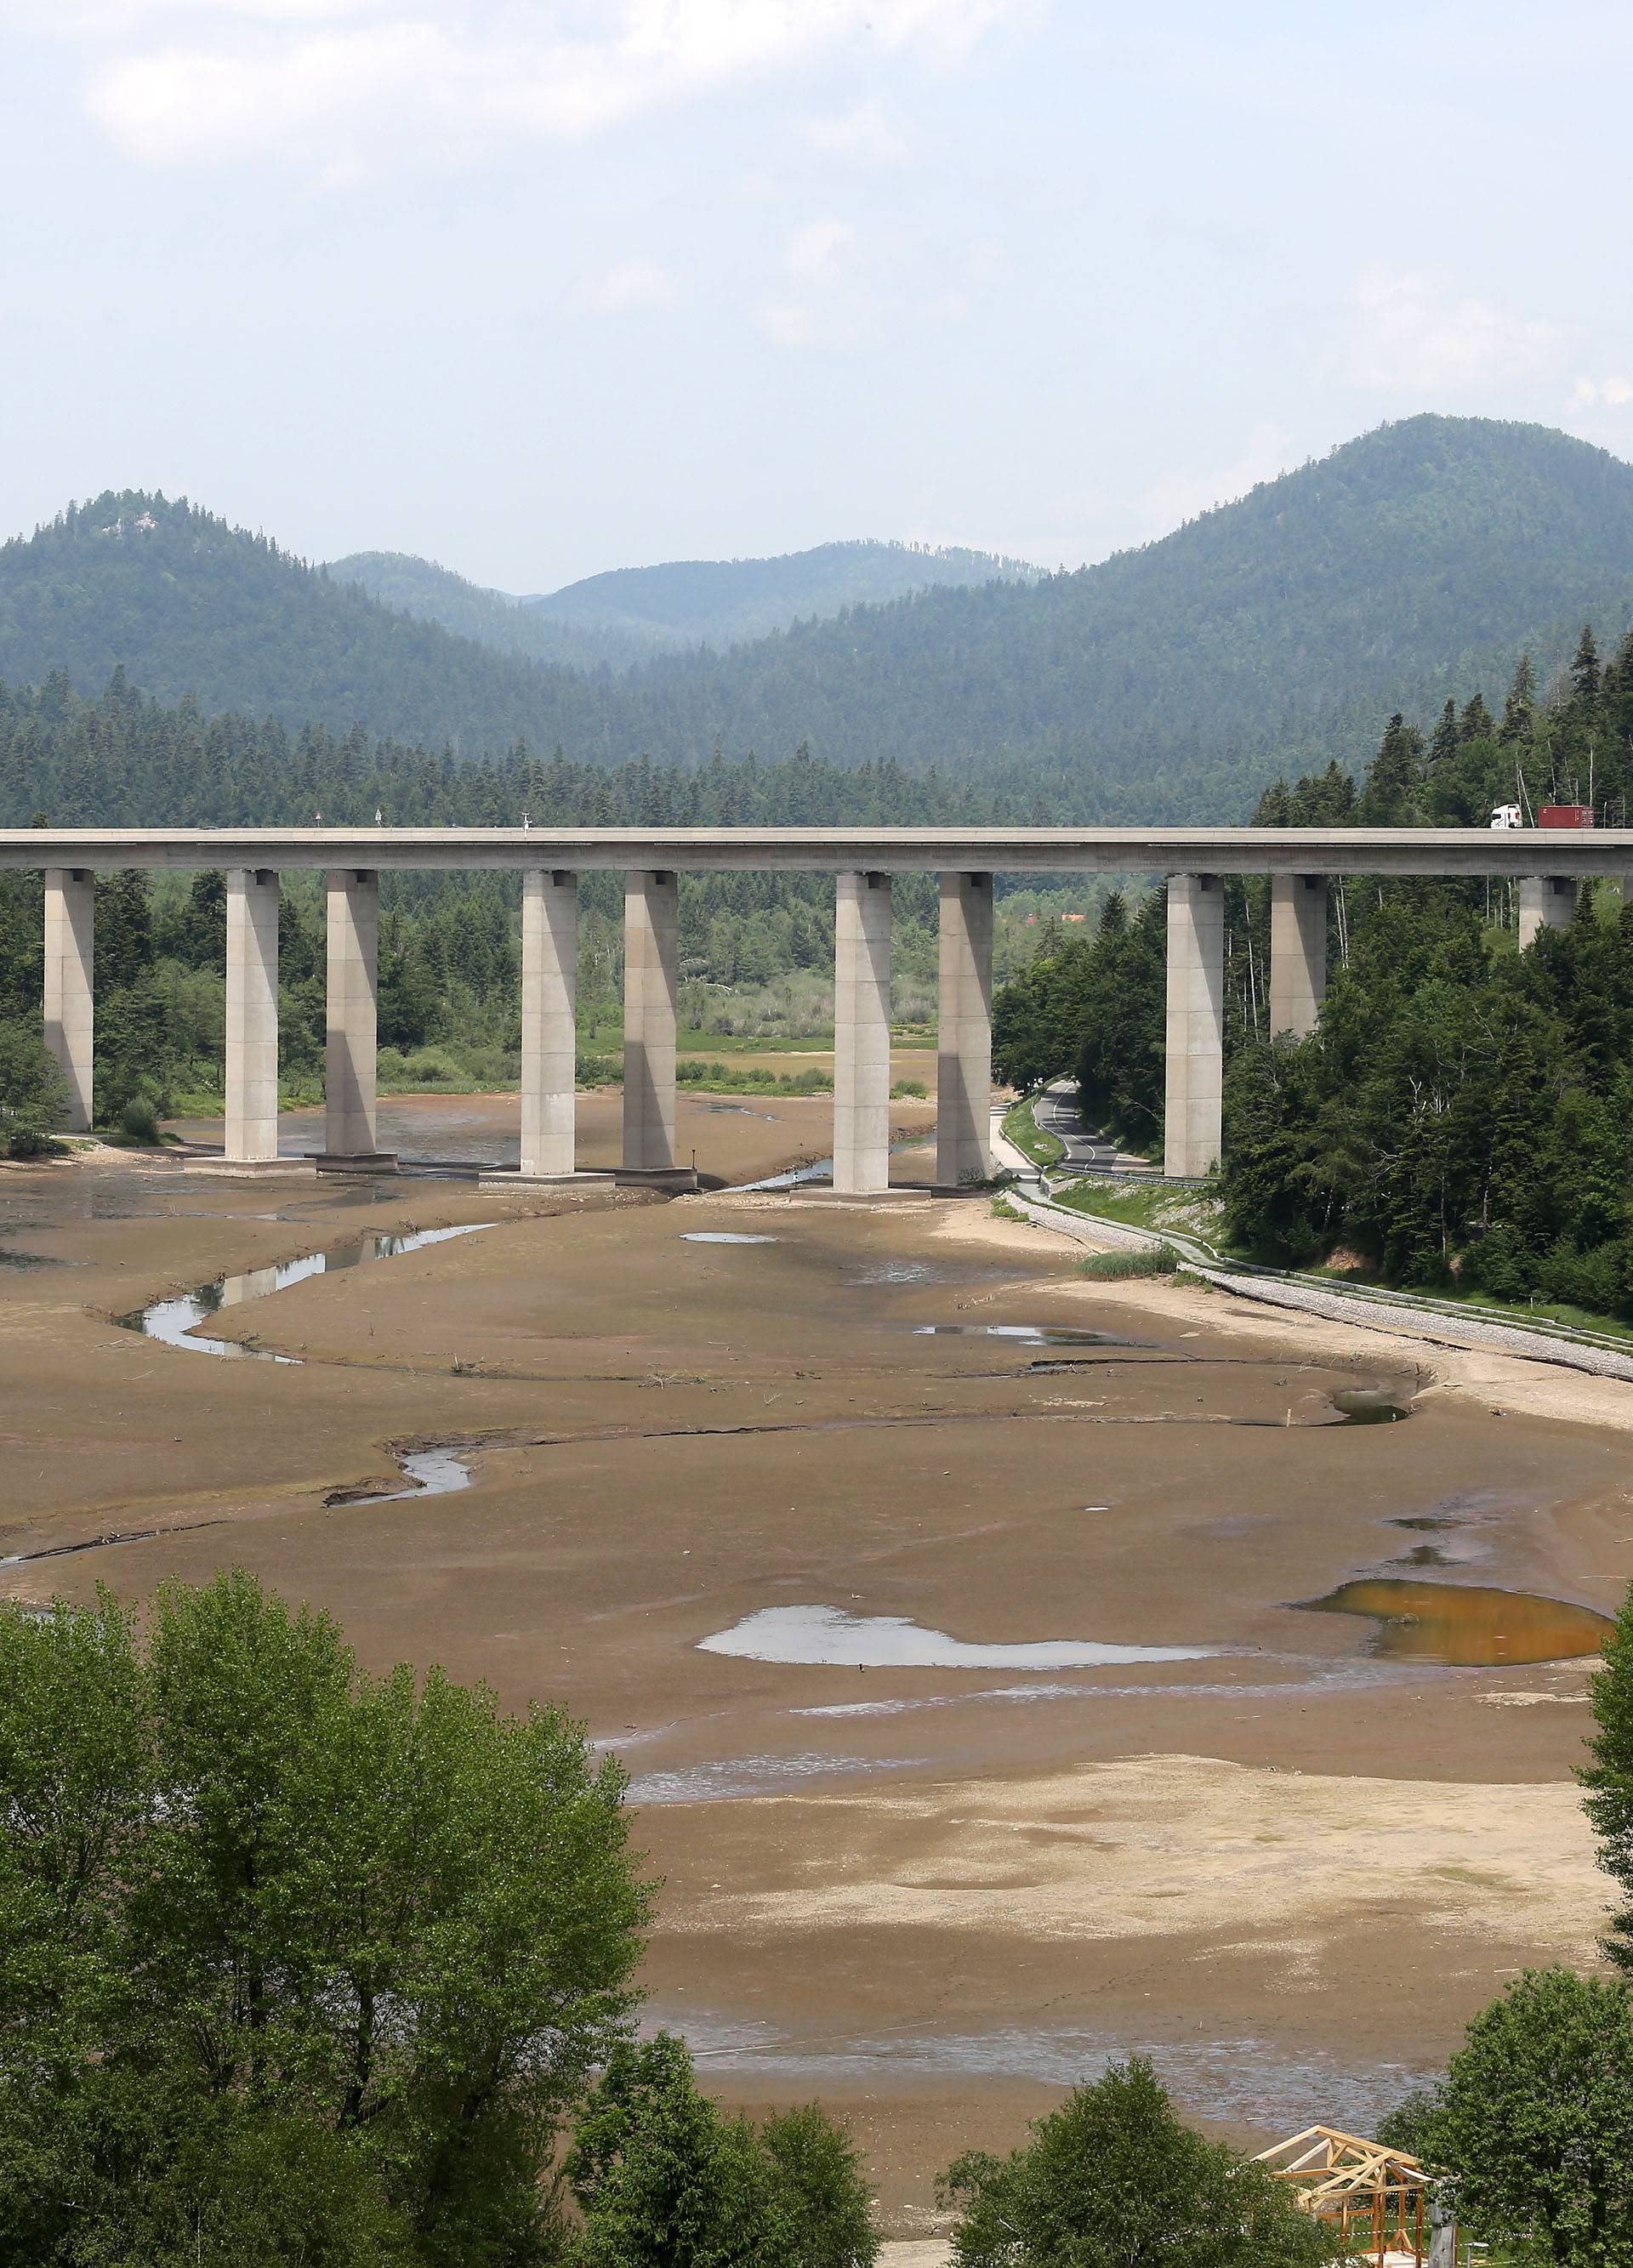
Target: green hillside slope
{"x":721,"y":602}
{"x":494,"y":618}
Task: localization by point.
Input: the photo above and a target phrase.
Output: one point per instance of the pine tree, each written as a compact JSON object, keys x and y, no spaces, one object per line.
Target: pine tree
{"x":1519,"y":709}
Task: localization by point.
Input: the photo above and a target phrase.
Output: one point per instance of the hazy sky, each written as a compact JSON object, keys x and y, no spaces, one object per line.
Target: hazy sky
{"x":537,"y":287}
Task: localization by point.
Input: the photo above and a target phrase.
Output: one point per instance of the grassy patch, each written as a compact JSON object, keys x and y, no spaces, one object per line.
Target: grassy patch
{"x":1029,"y":1137}
{"x":751,"y":1079}
{"x":1119,"y":1267}
{"x":1155,"y":1205}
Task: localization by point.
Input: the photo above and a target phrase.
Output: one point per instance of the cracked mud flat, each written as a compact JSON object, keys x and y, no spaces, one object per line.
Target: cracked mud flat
{"x":930,"y":1893}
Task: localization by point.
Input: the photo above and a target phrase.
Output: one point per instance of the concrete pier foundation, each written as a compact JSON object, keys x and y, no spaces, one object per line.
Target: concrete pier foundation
{"x":252,"y":902}
{"x":1298,"y":952}
{"x":1196,"y":1023}
{"x":1545,"y":901}
{"x":651,"y":941}
{"x":861,"y":1035}
{"x":70,"y":956}
{"x":350,"y":1137}
{"x":549,"y":969}
{"x":963,"y":1064}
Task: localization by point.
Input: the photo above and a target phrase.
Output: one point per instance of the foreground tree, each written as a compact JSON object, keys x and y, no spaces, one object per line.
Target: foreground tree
{"x":1534,"y":2122}
{"x":663,"y":2181}
{"x":1609,"y":1778}
{"x":1112,"y":2179}
{"x":296,"y":1965}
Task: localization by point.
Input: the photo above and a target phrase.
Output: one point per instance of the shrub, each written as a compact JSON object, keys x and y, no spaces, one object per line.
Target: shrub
{"x":33,"y":1093}
{"x":138,"y":1122}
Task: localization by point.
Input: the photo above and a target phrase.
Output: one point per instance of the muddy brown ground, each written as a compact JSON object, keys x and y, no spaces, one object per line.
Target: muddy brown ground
{"x":1291,"y":1869}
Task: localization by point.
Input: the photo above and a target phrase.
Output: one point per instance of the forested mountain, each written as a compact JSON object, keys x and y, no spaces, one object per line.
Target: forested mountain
{"x":494,"y":618}
{"x":720,"y":603}
{"x":193,"y":608}
{"x":632,"y":612}
{"x":1167,"y":683}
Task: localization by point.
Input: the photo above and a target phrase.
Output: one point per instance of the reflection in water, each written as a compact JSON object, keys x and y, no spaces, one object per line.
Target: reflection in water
{"x":829,"y":1635}
{"x":173,"y":1321}
{"x":1466,"y":1625}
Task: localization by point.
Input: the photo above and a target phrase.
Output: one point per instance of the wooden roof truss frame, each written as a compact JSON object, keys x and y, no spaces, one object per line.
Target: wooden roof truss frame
{"x":1376,"y":2197}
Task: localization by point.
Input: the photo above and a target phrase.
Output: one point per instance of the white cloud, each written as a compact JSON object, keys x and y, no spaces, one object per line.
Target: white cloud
{"x":1600,"y":393}
{"x":1409,"y":330}
{"x":863,"y":132}
{"x":630,"y":286}
{"x":819,"y":252}
{"x":176,"y":80}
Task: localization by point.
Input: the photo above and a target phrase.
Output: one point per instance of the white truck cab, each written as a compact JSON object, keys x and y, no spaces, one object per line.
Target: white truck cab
{"x":1508,"y":814}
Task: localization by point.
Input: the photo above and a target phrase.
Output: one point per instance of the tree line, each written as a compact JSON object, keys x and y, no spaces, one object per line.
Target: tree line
{"x":1463,"y":1113}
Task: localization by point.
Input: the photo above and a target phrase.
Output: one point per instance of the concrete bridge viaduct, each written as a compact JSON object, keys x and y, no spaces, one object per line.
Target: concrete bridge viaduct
{"x":1548,"y":864}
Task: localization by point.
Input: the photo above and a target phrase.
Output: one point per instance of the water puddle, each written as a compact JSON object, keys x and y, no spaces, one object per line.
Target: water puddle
{"x":723,"y":1236}
{"x":1026,"y":1334}
{"x":441,"y":1471}
{"x":828,"y":1636}
{"x":174,"y":1320}
{"x":1467,"y":1625}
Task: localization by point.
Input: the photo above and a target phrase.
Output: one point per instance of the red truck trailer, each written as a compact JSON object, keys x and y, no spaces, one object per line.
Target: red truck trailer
{"x":1565,"y":814}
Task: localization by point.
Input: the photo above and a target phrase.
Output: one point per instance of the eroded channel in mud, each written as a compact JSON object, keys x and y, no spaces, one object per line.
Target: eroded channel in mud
{"x":175,"y":1320}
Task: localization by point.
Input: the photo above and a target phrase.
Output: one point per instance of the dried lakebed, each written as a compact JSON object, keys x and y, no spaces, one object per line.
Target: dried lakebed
{"x":922,"y":1864}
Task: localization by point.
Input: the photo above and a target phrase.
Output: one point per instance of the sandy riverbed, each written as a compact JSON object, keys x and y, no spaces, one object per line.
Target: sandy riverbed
{"x":934,"y":1895}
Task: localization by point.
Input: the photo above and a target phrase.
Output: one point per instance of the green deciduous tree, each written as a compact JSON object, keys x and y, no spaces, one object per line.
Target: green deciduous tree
{"x":1609,"y":1780}
{"x":292,"y":1959}
{"x":1534,"y":2122}
{"x":1113,"y":2179}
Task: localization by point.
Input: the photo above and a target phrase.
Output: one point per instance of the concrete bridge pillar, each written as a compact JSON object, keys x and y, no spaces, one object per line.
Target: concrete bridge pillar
{"x":1196,"y":1051}
{"x":1545,"y":901}
{"x":69,"y":957}
{"x":964,"y":1067}
{"x":549,"y":1038}
{"x":252,"y":901}
{"x":861,"y":1035}
{"x":650,"y":953}
{"x":350,"y":1134}
{"x":1298,"y":952}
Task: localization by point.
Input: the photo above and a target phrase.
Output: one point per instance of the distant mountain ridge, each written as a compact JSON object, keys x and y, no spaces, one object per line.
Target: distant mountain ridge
{"x":631,"y":613}
{"x":1171,"y":682}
